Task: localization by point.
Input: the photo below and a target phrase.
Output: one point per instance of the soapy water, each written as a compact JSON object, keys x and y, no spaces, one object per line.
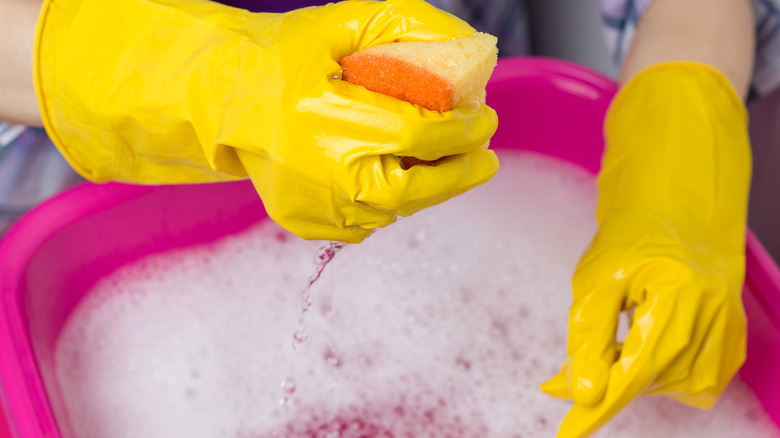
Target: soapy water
{"x":441,"y":325}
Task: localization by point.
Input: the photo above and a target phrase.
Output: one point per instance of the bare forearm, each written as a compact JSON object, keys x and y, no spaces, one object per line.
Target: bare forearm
{"x":18,"y":103}
{"x":716,"y":32}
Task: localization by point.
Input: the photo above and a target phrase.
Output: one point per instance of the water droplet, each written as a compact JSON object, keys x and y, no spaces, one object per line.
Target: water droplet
{"x":366,"y":361}
{"x":289,"y":385}
{"x":540,"y":423}
{"x":499,"y":329}
{"x":300,"y":336}
{"x":326,"y":254}
{"x":305,"y":302}
{"x":332,"y":359}
{"x":463,"y":364}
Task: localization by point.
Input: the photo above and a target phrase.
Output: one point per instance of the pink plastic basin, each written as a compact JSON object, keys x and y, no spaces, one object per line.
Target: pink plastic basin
{"x":54,"y":254}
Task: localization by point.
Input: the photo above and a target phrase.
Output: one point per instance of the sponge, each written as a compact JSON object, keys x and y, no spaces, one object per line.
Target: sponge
{"x":437,"y":75}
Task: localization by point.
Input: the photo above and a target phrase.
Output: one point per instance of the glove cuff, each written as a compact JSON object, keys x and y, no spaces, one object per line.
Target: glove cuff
{"x":123,"y":86}
{"x":702,"y":76}
{"x":678,"y":148}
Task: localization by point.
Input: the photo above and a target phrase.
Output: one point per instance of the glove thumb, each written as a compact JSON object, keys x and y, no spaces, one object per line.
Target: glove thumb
{"x":583,"y":379}
{"x":587,"y":376}
{"x":557,"y":386}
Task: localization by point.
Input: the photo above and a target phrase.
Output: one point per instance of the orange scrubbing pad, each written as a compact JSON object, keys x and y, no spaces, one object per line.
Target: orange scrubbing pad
{"x":437,"y":75}
{"x":400,"y":79}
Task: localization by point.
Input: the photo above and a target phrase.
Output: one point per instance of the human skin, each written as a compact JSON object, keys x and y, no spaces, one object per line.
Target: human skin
{"x":715,"y":32}
{"x":18,"y":103}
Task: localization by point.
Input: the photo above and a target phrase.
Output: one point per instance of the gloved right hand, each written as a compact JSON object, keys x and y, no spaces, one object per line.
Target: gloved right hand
{"x":177,"y":91}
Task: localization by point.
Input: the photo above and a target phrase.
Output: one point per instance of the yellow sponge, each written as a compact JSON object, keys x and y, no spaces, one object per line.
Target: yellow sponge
{"x":438,"y":75}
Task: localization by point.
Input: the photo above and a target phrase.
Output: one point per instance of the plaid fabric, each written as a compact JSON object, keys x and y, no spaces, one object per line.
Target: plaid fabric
{"x":31,"y":170}
{"x":620,"y":18}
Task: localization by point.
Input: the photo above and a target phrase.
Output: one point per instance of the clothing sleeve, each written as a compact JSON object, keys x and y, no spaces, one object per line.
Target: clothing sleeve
{"x":620,"y":17}
{"x":31,"y":170}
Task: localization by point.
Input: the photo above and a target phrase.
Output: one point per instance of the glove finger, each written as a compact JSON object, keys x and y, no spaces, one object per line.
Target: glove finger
{"x":557,"y":386}
{"x":343,"y":28}
{"x":592,"y":346}
{"x":716,"y":355}
{"x":404,"y":192}
{"x":435,"y":135}
{"x":399,"y":20}
{"x":322,"y":231}
{"x":350,"y":223}
{"x":699,"y":313}
{"x":311,"y":216}
{"x":391,"y":126}
{"x":654,"y":341}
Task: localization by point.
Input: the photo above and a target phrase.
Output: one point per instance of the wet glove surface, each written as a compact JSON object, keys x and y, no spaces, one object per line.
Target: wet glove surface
{"x":167,"y":91}
{"x":672,"y":208}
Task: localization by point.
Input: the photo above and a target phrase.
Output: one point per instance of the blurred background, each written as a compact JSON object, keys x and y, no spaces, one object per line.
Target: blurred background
{"x":570,"y":29}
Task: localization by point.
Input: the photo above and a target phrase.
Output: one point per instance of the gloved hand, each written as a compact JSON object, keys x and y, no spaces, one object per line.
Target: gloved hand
{"x":672,"y":208}
{"x":178,"y":91}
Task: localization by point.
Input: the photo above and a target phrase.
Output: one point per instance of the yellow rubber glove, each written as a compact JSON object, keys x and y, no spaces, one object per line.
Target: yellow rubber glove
{"x":672,"y":208}
{"x":180,"y":91}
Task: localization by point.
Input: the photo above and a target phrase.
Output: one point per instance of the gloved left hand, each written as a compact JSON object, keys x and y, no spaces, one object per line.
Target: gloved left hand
{"x":178,"y":91}
{"x":672,"y":211}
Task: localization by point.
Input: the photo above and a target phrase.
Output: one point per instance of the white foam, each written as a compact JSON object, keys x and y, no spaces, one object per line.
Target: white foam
{"x":443,"y":324}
